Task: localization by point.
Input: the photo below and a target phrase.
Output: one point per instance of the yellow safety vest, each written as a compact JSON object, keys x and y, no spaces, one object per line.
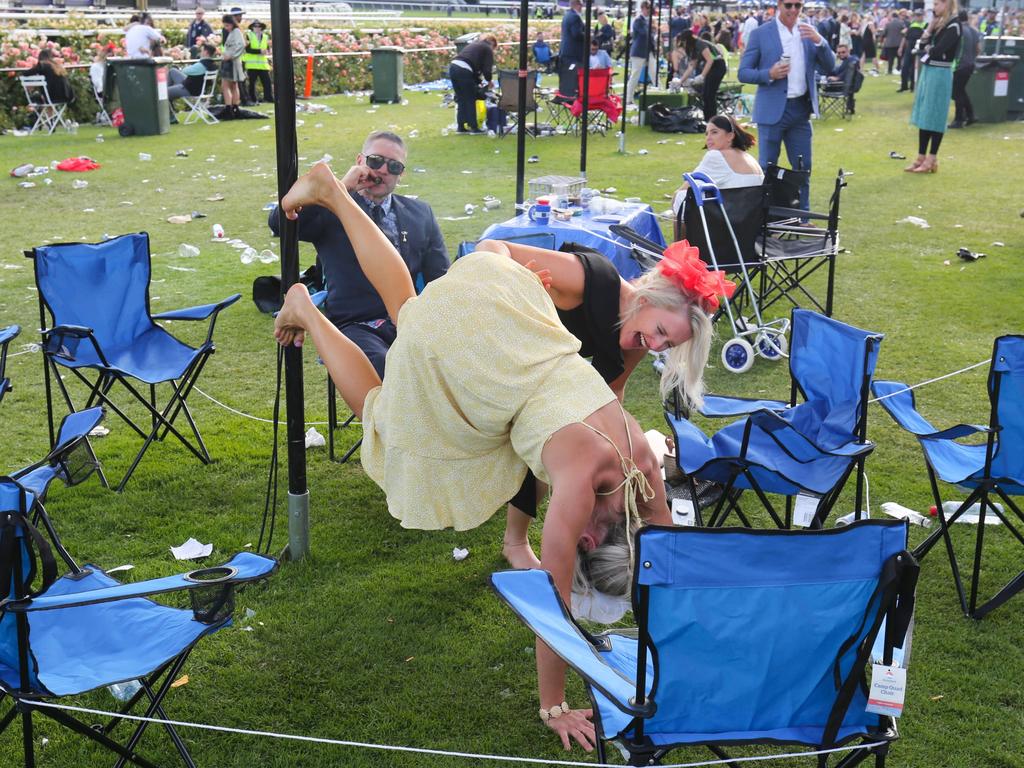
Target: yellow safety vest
{"x":255,"y":56}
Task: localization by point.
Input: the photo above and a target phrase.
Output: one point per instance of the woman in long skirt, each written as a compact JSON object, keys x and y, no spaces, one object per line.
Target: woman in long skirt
{"x":935,"y":87}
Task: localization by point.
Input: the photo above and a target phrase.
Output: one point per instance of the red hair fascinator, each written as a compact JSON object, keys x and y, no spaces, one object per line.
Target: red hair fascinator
{"x":682,"y":265}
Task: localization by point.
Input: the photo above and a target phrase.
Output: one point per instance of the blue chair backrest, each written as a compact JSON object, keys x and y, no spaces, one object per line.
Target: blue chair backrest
{"x":14,"y":505}
{"x":829,"y":361}
{"x":1008,"y":365}
{"x":730,"y":614}
{"x":104,"y":286}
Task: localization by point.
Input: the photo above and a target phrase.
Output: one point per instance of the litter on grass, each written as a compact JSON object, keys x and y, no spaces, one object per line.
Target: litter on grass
{"x":917,"y":221}
{"x":99,"y":431}
{"x":460,"y":554}
{"x":314,"y":439}
{"x":192,"y":550}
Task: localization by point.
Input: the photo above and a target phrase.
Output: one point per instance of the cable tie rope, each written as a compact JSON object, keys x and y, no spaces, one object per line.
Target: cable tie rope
{"x":912,"y":387}
{"x":250,"y":416}
{"x":438,"y":752}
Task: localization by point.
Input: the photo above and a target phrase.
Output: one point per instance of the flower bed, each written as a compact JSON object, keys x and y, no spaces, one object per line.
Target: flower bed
{"x":347,"y":72}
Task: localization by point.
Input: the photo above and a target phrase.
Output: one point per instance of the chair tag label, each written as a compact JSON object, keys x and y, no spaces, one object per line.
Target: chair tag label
{"x":888,"y":687}
{"x":804,"y":510}
{"x":683,"y":512}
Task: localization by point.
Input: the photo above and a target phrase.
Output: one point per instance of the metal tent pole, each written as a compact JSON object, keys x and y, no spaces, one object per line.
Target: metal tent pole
{"x":625,"y":77}
{"x":524,"y":32}
{"x":586,"y":90}
{"x":287,"y":173}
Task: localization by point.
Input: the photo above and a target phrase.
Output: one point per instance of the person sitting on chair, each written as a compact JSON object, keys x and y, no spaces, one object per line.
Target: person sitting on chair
{"x":727,"y":162}
{"x":57,"y":83}
{"x":188,"y":82}
{"x":484,"y":381}
{"x":353,"y":305}
{"x":599,"y":57}
{"x":845,"y":72}
{"x":542,"y":53}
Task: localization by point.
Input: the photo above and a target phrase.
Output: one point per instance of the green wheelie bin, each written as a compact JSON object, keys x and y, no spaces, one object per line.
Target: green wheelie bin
{"x":142,"y":91}
{"x":989,"y":87}
{"x":387,"y":65}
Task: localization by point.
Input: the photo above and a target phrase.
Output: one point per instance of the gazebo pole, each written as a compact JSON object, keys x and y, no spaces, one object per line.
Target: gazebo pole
{"x":586,"y":90}
{"x":524,"y":32}
{"x":287,"y":173}
{"x":625,"y":77}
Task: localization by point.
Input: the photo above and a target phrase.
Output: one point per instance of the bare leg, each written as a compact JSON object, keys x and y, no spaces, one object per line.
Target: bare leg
{"x":348,"y":366}
{"x":377,"y":257}
{"x":516,"y":547}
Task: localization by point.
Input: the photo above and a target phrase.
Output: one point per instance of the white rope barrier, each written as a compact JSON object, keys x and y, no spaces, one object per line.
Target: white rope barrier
{"x":437,"y":752}
{"x":912,"y":387}
{"x":257,"y":418}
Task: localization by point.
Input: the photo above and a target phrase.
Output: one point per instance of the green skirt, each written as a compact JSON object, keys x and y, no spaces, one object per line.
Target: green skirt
{"x":931,"y":98}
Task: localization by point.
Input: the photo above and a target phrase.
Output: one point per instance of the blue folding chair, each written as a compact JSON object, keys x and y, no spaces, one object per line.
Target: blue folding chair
{"x":72,"y":461}
{"x":65,"y":636}
{"x":743,"y":637}
{"x":807,"y":449}
{"x":97,"y":296}
{"x":994,"y":467}
{"x":6,"y":335}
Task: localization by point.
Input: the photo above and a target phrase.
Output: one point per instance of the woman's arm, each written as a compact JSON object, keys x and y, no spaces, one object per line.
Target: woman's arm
{"x":377,"y":257}
{"x":565,"y":270}
{"x":708,"y":61}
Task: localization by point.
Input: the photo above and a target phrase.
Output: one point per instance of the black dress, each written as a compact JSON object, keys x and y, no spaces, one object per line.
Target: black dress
{"x":595,"y":322}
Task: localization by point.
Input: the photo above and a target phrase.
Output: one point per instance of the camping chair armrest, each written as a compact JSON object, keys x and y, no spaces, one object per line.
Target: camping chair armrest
{"x":780,"y":430}
{"x":201,"y":312}
{"x":240,"y":569}
{"x":532,"y":596}
{"x":794,"y":213}
{"x":8,"y":333}
{"x":720,"y":406}
{"x":54,"y":338}
{"x":898,"y":401}
{"x":319,"y":299}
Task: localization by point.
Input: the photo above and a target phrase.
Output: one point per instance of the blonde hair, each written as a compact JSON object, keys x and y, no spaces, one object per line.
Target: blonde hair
{"x":684,"y":364}
{"x":940,"y":21}
{"x":607,"y":568}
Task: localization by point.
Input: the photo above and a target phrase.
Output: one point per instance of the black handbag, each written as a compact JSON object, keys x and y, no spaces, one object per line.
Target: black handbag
{"x":665,"y":119}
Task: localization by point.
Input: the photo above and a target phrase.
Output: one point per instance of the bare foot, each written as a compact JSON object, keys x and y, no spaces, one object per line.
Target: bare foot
{"x":290,"y":326}
{"x":312,"y":189}
{"x":520,"y":555}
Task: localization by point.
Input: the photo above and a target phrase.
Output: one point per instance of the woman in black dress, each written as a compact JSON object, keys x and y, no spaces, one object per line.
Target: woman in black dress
{"x":618,"y":323}
{"x":708,"y":57}
{"x":467,"y":72}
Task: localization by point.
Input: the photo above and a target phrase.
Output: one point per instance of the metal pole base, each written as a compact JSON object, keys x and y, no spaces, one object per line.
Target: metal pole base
{"x":298,"y":525}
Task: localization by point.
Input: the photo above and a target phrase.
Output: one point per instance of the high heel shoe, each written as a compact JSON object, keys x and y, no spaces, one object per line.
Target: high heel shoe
{"x":912,"y":168}
{"x":930,"y":165}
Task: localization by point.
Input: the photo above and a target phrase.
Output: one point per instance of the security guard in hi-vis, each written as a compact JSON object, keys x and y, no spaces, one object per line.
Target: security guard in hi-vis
{"x":256,"y":60}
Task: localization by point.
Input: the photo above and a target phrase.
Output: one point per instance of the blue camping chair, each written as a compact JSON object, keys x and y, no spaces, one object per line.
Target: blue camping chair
{"x":65,"y":636}
{"x":743,"y":637}
{"x":804,"y":450}
{"x":72,"y":461}
{"x":536,"y":239}
{"x":97,"y":296}
{"x":995,"y":466}
{"x":6,"y":335}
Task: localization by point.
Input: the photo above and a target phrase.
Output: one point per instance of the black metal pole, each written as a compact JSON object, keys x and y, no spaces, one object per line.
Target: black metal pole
{"x":524,"y":32}
{"x":625,"y":77}
{"x":586,"y":90}
{"x":287,"y":173}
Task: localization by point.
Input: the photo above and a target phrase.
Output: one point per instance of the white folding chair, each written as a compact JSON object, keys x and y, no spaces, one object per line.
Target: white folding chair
{"x":102,"y":118}
{"x":199,"y":106}
{"x":48,"y":113}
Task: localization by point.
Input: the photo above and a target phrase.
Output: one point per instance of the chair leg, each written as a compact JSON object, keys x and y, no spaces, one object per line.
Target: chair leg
{"x":155,"y":708}
{"x":83,"y":730}
{"x":28,"y":744}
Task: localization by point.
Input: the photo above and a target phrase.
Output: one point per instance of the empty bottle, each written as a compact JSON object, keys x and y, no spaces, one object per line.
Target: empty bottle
{"x":249,"y":255}
{"x":187,"y":251}
{"x":124,"y":691}
{"x":79,"y":184}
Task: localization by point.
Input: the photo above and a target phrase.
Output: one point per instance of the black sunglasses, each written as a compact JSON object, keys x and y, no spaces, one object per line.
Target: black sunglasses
{"x":376,"y":162}
{"x":791,"y":6}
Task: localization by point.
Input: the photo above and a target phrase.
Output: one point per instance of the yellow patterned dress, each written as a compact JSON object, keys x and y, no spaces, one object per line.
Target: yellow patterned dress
{"x":481,"y":375}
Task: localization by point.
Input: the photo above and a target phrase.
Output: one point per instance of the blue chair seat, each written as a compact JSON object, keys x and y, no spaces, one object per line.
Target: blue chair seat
{"x":126,"y":639}
{"x":154,"y":357}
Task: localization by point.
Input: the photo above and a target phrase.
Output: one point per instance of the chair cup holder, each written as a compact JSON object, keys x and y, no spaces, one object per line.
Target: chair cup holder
{"x":214,"y":601}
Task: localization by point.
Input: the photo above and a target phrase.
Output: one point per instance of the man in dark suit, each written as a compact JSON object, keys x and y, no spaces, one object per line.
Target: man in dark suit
{"x":844,"y":76}
{"x":352,"y":303}
{"x":782,"y":59}
{"x":570,"y":49}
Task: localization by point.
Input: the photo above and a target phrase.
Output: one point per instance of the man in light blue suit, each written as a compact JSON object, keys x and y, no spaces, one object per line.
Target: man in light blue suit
{"x":783,"y":58}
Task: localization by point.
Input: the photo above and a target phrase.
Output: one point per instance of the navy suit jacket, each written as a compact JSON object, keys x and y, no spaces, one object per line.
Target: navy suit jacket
{"x":570,"y":49}
{"x":350,"y":296}
{"x":764,"y":49}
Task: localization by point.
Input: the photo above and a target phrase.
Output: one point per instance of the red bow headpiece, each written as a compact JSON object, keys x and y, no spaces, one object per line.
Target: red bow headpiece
{"x":683,"y":266}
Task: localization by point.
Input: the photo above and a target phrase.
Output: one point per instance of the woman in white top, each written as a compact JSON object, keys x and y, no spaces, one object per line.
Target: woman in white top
{"x":727,"y":162}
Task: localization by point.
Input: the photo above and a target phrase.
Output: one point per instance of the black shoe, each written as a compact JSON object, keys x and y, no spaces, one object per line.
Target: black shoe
{"x":970,"y":121}
{"x":955,"y":124}
{"x":901,"y":90}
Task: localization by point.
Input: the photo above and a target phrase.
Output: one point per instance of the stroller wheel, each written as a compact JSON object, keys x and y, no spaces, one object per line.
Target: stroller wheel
{"x":772,"y":346}
{"x":737,"y":355}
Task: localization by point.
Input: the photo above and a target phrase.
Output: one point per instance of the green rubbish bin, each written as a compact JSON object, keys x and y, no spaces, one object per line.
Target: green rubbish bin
{"x":463,"y":40}
{"x":387,"y":65}
{"x":141,"y":86}
{"x":989,"y":87}
{"x":1012,"y":46}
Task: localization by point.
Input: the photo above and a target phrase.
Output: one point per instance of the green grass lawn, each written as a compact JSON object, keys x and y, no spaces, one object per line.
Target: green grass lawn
{"x":379,"y":635}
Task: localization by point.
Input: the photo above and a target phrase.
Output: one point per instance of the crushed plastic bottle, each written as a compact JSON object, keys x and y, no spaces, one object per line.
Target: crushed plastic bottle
{"x":249,"y":255}
{"x":79,"y":184}
{"x":145,"y":156}
{"x":124,"y":691}
{"x":267,"y":256}
{"x":187,"y":251}
{"x":218,"y":231}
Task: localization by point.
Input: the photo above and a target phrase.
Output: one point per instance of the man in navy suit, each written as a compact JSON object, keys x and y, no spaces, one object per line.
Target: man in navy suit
{"x":570,"y":49}
{"x":352,"y":303}
{"x":783,"y":58}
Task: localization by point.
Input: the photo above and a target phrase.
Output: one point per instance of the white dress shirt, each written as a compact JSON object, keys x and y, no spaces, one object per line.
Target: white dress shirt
{"x":792,"y":44}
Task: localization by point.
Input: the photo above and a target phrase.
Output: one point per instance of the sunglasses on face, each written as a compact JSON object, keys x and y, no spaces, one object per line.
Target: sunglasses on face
{"x":376,"y":162}
{"x":791,"y":6}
